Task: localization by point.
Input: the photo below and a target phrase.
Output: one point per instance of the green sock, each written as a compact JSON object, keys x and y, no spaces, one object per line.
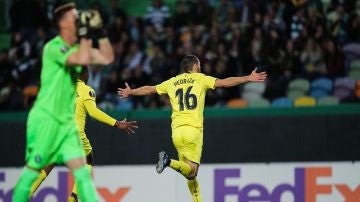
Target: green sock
{"x":85,"y":186}
{"x":74,"y":192}
{"x":23,"y":186}
{"x":195,"y":190}
{"x":180,"y":167}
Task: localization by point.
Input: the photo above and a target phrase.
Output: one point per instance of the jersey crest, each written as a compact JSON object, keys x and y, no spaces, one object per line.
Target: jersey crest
{"x":92,"y":93}
{"x":64,"y":49}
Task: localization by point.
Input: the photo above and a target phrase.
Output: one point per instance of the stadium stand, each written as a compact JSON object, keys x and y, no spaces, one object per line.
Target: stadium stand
{"x":313,"y":42}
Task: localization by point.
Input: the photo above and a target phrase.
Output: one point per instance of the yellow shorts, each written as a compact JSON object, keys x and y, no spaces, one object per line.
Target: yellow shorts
{"x":188,"y":142}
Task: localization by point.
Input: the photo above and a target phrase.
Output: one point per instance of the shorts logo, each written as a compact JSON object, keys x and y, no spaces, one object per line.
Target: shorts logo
{"x":37,"y":159}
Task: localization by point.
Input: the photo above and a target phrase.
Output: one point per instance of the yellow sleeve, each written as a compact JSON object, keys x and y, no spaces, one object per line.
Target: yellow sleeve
{"x":208,"y":81}
{"x":97,"y":114}
{"x":162,"y":88}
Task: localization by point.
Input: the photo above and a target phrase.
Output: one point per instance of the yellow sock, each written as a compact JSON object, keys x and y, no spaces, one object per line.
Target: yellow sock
{"x":37,"y":182}
{"x":74,"y":192}
{"x":73,"y":198}
{"x":195,"y":190}
{"x":89,"y":167}
{"x":180,"y":167}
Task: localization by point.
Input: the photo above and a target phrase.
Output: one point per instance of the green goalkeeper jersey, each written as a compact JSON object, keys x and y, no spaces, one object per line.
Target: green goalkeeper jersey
{"x":58,"y":81}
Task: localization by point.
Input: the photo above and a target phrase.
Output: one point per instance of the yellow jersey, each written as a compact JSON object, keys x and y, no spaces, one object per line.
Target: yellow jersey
{"x":86,"y":104}
{"x":187,"y":97}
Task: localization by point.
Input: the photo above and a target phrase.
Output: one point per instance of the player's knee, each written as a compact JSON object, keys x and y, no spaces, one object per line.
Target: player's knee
{"x":75,"y":163}
{"x":192,"y":175}
{"x":194,"y":168}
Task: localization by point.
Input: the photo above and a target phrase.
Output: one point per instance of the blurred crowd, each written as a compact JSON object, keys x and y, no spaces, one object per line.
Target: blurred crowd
{"x":288,"y":39}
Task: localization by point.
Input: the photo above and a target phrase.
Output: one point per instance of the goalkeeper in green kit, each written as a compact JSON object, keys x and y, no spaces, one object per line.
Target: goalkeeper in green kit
{"x":52,"y":134}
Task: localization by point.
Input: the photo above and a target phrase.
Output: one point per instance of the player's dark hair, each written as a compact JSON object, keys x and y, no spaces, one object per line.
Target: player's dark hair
{"x":60,"y":11}
{"x":188,"y":62}
{"x":83,"y":76}
{"x":84,"y":69}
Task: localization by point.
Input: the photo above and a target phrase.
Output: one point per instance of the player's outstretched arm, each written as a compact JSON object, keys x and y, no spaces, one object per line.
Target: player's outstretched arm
{"x":233,"y":81}
{"x":127,"y":91}
{"x":96,"y":113}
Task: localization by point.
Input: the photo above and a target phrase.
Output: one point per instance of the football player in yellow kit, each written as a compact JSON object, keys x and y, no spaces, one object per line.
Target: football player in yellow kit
{"x":187,"y":97}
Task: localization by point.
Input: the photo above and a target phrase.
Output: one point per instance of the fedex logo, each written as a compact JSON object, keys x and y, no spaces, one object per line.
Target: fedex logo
{"x":304,"y":189}
{"x":61,"y":193}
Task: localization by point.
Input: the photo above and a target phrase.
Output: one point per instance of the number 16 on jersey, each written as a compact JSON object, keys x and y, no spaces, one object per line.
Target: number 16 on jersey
{"x":189,"y":99}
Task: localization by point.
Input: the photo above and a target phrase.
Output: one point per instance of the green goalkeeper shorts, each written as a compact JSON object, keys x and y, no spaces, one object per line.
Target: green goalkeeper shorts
{"x":50,"y":141}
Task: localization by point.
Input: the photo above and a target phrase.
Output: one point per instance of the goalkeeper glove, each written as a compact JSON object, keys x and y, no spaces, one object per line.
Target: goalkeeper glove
{"x":96,"y":24}
{"x":84,"y":24}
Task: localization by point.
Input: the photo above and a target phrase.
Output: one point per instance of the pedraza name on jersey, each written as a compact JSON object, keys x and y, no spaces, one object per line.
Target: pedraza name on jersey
{"x":184,"y":81}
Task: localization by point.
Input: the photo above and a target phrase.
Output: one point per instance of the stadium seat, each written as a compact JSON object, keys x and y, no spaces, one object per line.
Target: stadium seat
{"x":237,"y":103}
{"x":253,"y":91}
{"x":259,"y":103}
{"x":344,"y":88}
{"x":321,"y":88}
{"x":258,"y":87}
{"x":318,"y":93}
{"x":342,"y":93}
{"x":124,"y":104}
{"x":323,"y":83}
{"x":357,"y":89}
{"x":355,"y":65}
{"x":298,"y":88}
{"x":328,"y":101}
{"x":299,"y":84}
{"x":250,"y":96}
{"x":345,"y":82}
{"x":28,"y":93}
{"x":354,"y":74}
{"x":357,"y":93}
{"x":294,"y":94}
{"x":282,"y":102}
{"x":305,"y":101}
